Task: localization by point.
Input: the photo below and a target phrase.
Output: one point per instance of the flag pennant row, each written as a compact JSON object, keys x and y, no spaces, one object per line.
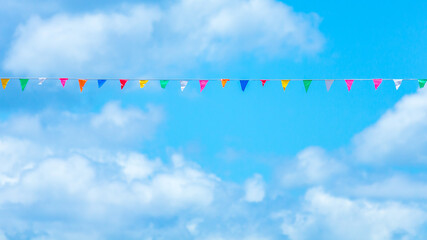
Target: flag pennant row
{"x":142,"y":83}
{"x":328,"y":84}
{"x":243,"y":83}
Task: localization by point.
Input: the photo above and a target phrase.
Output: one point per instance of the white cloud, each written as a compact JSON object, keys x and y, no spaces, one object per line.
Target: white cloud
{"x":396,"y":187}
{"x":329,"y":217}
{"x":141,"y":37}
{"x":255,"y":189}
{"x":399,"y":135}
{"x":311,"y":166}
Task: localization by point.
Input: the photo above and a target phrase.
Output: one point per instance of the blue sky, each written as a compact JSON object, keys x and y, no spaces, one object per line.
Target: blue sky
{"x":262,"y":164}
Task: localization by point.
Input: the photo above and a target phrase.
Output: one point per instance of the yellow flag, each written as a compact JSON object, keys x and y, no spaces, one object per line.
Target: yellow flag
{"x":285,"y":83}
{"x":4,"y":82}
{"x":142,"y":83}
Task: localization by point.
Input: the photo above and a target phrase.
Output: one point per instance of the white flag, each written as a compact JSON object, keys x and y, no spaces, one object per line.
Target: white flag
{"x":328,"y":84}
{"x":183,"y":85}
{"x":397,"y":82}
{"x":41,"y":80}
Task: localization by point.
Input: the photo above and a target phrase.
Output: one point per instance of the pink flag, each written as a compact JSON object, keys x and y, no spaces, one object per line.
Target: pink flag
{"x":203,"y":84}
{"x":123,"y":83}
{"x":63,"y":81}
{"x":349,"y":83}
{"x":377,"y":83}
{"x":263,"y":82}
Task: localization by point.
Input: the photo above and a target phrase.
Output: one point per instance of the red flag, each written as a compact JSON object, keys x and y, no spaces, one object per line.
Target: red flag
{"x":123,"y":83}
{"x":263,"y":81}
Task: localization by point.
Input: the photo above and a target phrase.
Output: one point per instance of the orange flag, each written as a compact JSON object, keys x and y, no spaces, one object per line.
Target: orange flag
{"x":4,"y":82}
{"x":82,"y":83}
{"x":224,"y":81}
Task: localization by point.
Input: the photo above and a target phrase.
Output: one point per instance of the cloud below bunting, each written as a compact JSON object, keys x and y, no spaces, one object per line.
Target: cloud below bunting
{"x":243,"y":84}
{"x":203,"y":84}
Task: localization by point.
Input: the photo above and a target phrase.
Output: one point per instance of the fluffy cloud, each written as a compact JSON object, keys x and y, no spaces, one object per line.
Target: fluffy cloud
{"x":140,"y":37}
{"x":312,"y":166}
{"x":255,"y":189}
{"x":328,"y":217}
{"x":399,"y":135}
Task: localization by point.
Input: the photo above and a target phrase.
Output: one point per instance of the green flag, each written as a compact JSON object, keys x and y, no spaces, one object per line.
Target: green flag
{"x":422,"y":82}
{"x":163,"y":83}
{"x":23,"y":83}
{"x":307,"y":84}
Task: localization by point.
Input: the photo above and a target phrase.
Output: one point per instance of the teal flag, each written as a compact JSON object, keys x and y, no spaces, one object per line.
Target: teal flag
{"x":163,"y":83}
{"x":307,"y":84}
{"x":422,"y":82}
{"x":23,"y":83}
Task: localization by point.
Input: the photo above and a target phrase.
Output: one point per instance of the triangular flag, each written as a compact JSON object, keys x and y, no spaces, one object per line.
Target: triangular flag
{"x":123,"y":83}
{"x":4,"y":82}
{"x":142,"y":83}
{"x":63,"y":81}
{"x":377,"y":83}
{"x":328,"y":84}
{"x":101,"y":82}
{"x":203,"y":84}
{"x":306,"y":84}
{"x":82,"y":83}
{"x":41,"y":80}
{"x":397,"y":83}
{"x":183,"y":85}
{"x":243,"y":84}
{"x":422,"y":82}
{"x":224,"y":81}
{"x":263,"y":81}
{"x":23,"y":83}
{"x":349,"y":83}
{"x":163,"y":83}
{"x":285,"y":83}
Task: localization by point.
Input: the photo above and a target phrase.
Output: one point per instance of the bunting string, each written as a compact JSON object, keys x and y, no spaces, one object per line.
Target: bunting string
{"x":203,"y":83}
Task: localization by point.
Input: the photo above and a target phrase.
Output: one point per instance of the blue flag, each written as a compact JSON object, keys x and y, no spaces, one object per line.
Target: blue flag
{"x":243,"y":84}
{"x":101,"y":82}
